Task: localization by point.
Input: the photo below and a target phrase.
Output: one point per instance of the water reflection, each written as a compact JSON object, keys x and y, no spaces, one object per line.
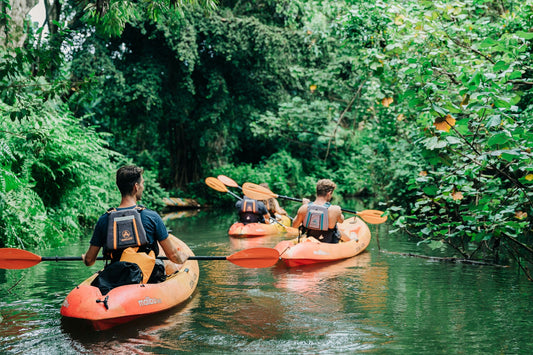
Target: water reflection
{"x":145,"y":335}
{"x":375,"y":302}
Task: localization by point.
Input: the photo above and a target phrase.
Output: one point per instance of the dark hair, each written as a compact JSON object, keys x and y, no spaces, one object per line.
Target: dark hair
{"x":127,"y":177}
{"x":324,"y":186}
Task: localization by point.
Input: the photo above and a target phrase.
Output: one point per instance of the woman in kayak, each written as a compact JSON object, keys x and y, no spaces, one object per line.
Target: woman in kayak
{"x":319,"y":218}
{"x":272,"y":204}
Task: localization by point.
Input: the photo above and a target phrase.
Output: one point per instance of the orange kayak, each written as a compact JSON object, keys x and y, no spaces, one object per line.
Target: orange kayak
{"x":355,"y":238}
{"x":125,"y":303}
{"x":250,"y":230}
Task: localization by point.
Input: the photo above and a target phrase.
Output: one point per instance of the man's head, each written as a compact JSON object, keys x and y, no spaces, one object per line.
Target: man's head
{"x":130,"y":181}
{"x":324,"y":186}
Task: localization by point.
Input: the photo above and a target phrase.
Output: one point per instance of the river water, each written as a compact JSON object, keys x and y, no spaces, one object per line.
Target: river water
{"x":377,"y":302}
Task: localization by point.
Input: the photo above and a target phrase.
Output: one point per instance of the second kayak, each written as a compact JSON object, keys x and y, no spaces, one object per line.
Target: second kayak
{"x":250,"y":230}
{"x":306,"y":251}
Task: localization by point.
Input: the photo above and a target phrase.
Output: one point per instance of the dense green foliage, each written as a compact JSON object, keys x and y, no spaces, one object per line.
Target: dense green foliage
{"x":424,"y":107}
{"x":455,"y":80}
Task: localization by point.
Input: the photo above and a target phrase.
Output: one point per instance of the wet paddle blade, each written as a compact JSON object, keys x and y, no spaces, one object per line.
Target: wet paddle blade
{"x":255,"y":257}
{"x":216,"y":184}
{"x":228,"y":181}
{"x":11,"y":258}
{"x":257,"y":192}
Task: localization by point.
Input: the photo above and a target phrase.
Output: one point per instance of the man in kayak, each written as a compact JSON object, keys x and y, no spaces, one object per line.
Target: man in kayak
{"x":252,"y":211}
{"x":151,"y":228}
{"x":319,"y":218}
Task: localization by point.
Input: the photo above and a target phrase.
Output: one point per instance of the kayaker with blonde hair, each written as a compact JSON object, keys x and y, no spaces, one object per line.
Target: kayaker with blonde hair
{"x":319,"y":218}
{"x":272,"y":204}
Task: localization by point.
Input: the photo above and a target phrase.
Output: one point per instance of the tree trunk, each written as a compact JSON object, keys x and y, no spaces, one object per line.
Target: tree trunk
{"x":12,"y":21}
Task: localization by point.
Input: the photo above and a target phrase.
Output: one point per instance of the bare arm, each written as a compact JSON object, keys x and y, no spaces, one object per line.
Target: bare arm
{"x":340,"y":216}
{"x":278,"y":208}
{"x":172,"y":253}
{"x":299,"y":216}
{"x":90,"y":256}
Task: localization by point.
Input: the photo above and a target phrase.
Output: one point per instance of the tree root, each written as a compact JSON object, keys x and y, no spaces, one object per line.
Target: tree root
{"x":448,"y":260}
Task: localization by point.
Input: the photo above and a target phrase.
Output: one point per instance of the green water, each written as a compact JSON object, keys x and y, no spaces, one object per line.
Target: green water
{"x":375,"y":303}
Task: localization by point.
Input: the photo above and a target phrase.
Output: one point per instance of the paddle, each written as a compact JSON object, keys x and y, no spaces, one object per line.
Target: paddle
{"x":11,"y":258}
{"x":232,"y":183}
{"x":218,"y":185}
{"x":228,"y":181}
{"x":258,"y":192}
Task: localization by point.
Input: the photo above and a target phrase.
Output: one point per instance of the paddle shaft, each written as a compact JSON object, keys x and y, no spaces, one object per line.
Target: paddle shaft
{"x":73,"y":258}
{"x":234,"y":195}
{"x":300,"y":200}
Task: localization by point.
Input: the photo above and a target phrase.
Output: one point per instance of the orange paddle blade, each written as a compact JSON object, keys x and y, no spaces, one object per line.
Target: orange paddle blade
{"x":257,"y":192}
{"x":11,"y":258}
{"x":228,"y":181}
{"x":255,"y":257}
{"x":216,"y":184}
{"x":372,"y":216}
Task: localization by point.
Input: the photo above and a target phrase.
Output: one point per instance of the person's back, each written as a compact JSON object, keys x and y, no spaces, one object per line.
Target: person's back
{"x":319,"y":219}
{"x":252,"y":211}
{"x":151,"y":227}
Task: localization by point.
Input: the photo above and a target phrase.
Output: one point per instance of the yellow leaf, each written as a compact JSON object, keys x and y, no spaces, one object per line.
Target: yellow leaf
{"x":423,"y":173}
{"x":400,"y":117}
{"x":529,"y":177}
{"x":312,"y":88}
{"x":520,"y":215}
{"x":457,"y":195}
{"x":387,"y":101}
{"x":444,"y":123}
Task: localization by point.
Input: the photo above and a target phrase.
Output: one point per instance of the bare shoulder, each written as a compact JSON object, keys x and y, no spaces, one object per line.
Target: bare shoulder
{"x":302,"y":209}
{"x":336,"y":208}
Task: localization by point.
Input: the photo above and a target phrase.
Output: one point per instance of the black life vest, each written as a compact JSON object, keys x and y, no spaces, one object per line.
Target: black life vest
{"x":124,"y":230}
{"x":248,"y":212}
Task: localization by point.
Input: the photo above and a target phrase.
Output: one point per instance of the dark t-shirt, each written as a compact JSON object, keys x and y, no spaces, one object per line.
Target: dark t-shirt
{"x":151,"y":221}
{"x":261,"y":210}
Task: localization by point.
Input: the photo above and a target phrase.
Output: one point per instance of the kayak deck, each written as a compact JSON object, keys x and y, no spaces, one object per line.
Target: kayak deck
{"x":306,"y":251}
{"x":250,"y":230}
{"x":126,"y":303}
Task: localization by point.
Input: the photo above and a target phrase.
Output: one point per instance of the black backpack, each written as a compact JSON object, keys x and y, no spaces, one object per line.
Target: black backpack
{"x":118,"y":274}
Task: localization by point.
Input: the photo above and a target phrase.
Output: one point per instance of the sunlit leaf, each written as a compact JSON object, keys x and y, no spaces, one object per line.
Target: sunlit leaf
{"x":444,"y":123}
{"x":399,"y":20}
{"x":520,"y":215}
{"x":387,"y":101}
{"x":524,"y":35}
{"x":494,"y":121}
{"x":457,"y":195}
